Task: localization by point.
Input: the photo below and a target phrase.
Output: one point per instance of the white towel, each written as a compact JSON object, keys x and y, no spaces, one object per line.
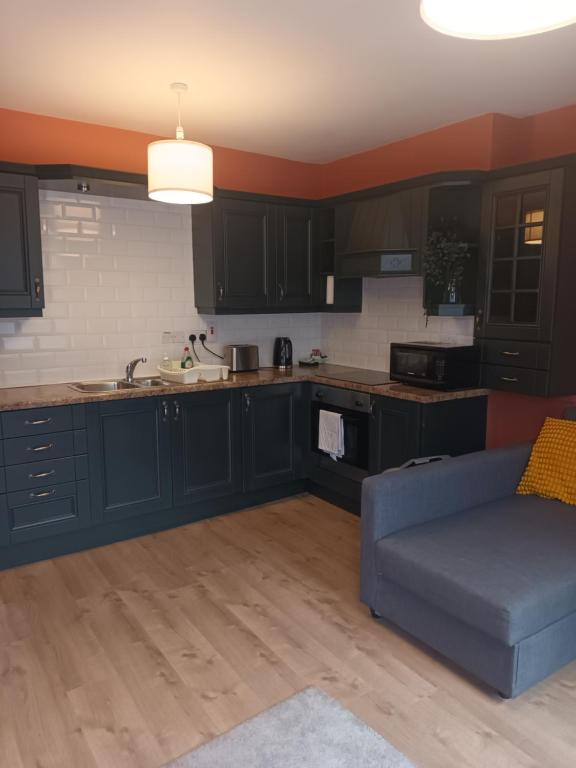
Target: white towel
{"x":331,"y":434}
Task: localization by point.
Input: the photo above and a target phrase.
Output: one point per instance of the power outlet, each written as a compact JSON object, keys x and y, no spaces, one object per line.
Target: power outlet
{"x":211,"y":334}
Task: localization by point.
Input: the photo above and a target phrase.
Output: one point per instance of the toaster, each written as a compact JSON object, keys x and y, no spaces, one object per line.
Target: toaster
{"x":241,"y":357}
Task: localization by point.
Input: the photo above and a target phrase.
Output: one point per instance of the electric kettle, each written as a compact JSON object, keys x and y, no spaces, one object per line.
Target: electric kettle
{"x":282,"y":358}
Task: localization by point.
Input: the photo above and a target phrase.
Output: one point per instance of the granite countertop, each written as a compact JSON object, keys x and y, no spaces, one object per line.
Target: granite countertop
{"x":18,"y":398}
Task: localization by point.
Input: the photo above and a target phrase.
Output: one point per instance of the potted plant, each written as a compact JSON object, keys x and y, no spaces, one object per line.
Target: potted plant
{"x":445,"y":259}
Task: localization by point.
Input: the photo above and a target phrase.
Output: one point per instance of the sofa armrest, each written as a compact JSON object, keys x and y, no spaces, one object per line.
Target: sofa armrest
{"x":394,"y":501}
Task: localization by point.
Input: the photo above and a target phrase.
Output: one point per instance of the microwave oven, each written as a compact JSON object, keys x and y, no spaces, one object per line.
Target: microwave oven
{"x":435,"y":365}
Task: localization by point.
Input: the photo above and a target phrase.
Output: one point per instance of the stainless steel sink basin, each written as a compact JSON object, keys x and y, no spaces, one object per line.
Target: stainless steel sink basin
{"x":97,"y":387}
{"x":147,"y":383}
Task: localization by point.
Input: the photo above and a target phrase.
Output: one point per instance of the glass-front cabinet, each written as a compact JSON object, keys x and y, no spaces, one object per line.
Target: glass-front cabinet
{"x":520,"y":240}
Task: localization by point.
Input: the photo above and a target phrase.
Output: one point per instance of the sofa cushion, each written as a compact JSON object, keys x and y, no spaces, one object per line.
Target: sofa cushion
{"x":507,"y":568}
{"x":551,"y":467}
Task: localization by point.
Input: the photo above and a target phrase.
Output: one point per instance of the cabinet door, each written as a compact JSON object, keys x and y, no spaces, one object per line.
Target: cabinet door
{"x":21,"y":287}
{"x":399,"y":431}
{"x":206,"y":445}
{"x":293,"y":274}
{"x":390,"y":222}
{"x":519,"y":254}
{"x":129,"y":453}
{"x":273,"y":435}
{"x":244,"y":251}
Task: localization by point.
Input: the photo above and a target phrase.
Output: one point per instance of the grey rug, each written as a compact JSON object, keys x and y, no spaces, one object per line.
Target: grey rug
{"x":309,"y":730}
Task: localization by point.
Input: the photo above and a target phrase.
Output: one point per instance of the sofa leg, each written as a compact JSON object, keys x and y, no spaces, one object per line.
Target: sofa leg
{"x":375,"y":614}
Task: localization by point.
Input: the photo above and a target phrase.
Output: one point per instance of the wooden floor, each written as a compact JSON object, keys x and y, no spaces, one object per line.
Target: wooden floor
{"x":129,"y":655}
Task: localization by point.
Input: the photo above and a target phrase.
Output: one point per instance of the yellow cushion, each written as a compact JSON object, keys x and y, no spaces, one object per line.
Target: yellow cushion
{"x":551,"y":470}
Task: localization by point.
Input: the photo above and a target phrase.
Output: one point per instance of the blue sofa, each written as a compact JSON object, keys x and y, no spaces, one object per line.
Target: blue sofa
{"x":451,"y":555}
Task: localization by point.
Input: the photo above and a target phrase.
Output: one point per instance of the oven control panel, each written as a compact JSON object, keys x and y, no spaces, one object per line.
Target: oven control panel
{"x":342,"y":398}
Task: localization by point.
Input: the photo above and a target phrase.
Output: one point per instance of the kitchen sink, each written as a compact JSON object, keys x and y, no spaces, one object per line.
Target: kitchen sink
{"x":114,"y":385}
{"x":147,"y":383}
{"x":102,"y":386}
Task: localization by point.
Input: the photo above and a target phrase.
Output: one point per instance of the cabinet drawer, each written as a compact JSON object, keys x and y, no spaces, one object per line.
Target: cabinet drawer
{"x":20,"y":450}
{"x":40,"y":473}
{"x":52,"y":510}
{"x":523,"y":380}
{"x":37,"y":421}
{"x":520,"y":354}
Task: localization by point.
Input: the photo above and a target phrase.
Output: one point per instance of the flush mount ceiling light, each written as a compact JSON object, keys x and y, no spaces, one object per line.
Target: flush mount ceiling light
{"x":497,"y":19}
{"x":180,"y":171}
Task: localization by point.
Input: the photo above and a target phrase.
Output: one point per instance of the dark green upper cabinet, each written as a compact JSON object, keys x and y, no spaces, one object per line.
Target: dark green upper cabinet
{"x":293,"y":256}
{"x":21,"y":284}
{"x":520,"y":248}
{"x":256,"y":255}
{"x":527,"y":312}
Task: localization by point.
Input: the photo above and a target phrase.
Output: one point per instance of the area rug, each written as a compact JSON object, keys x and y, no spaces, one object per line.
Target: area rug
{"x":309,"y":730}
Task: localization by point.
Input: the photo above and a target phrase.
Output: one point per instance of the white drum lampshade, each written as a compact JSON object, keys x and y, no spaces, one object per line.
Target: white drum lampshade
{"x":180,"y":171}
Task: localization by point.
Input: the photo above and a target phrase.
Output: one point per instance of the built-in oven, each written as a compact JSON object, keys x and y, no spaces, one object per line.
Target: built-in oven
{"x":357,"y":410}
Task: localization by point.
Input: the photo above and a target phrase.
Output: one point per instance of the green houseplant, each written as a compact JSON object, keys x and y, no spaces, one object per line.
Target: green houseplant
{"x":445,"y":259}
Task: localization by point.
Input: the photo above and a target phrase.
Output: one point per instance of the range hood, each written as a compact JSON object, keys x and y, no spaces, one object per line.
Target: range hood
{"x":382,"y":263}
{"x":81,"y":179}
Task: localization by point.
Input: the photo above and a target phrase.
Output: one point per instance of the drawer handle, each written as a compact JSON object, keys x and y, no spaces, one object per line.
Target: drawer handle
{"x":38,"y":448}
{"x":41,"y":494}
{"x":510,"y":379}
{"x":37,"y":422}
{"x":38,"y":475}
{"x":510,"y":354}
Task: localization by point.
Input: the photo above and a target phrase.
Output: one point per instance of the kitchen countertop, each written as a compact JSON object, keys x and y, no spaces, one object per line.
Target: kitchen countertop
{"x":18,"y":398}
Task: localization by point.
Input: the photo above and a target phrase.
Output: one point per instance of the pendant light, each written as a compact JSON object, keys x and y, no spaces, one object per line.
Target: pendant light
{"x":180,"y":171}
{"x":497,"y":19}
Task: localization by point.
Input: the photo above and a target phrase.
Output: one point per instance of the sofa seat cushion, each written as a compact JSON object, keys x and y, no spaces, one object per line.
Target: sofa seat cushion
{"x":507,"y":568}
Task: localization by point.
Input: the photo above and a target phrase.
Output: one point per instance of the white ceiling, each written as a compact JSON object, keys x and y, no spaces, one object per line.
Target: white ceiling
{"x":310,"y":80}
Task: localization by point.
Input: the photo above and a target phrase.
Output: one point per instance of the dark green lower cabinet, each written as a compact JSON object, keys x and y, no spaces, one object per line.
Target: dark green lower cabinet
{"x":129,"y":450}
{"x":206,"y":445}
{"x":273,"y":435}
{"x":33,"y":514}
{"x":409,"y":430}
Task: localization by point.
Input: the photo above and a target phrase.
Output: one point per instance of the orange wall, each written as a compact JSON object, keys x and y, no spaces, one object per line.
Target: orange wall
{"x":28,"y":138}
{"x":485,"y":142}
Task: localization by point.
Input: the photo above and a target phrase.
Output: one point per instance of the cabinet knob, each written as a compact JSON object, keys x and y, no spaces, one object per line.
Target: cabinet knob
{"x":506,"y":353}
{"x":509,"y":379}
{"x":176,"y":410}
{"x":37,"y":288}
{"x":164,"y":410}
{"x":247,"y":402}
{"x":220,"y":288}
{"x":478,"y":319}
{"x":281,"y":291}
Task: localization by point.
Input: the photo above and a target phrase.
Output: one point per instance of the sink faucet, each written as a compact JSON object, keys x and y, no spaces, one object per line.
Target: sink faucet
{"x":130,"y":368}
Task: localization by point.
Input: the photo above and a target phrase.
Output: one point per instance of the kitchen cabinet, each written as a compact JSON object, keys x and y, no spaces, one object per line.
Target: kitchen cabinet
{"x":256,"y":255}
{"x":381,"y":235}
{"x":129,"y":453}
{"x":346,"y":291}
{"x":527,"y":311}
{"x":206,"y":445}
{"x":409,"y":430}
{"x":21,"y":280}
{"x":293,"y":260}
{"x":274,"y":429}
{"x":43,"y":475}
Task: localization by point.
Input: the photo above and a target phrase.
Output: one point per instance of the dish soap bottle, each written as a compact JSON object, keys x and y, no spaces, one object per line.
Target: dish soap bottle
{"x":187,"y":361}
